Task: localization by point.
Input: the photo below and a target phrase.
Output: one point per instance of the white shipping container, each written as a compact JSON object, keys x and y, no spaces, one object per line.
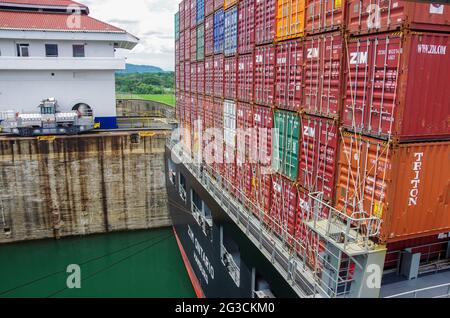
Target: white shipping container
{"x":229,"y":123}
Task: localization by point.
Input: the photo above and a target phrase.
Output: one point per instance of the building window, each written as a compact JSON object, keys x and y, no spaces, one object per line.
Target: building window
{"x":51,"y":50}
{"x":78,"y":50}
{"x":23,"y":50}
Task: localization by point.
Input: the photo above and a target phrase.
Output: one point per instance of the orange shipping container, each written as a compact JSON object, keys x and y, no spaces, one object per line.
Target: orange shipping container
{"x":407,"y":186}
{"x":229,"y":3}
{"x":290,"y":21}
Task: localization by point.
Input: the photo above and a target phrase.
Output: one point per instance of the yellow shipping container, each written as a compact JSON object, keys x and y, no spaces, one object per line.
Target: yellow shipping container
{"x":290,"y":22}
{"x":229,"y":3}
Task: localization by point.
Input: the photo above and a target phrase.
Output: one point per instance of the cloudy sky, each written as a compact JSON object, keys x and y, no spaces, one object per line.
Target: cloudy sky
{"x":150,"y":20}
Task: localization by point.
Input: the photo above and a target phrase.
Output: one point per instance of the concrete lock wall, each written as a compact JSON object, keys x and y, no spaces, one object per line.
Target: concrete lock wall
{"x":81,"y":185}
{"x":143,"y":108}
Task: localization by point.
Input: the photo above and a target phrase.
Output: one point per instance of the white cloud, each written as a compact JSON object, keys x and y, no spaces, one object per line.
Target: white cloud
{"x":150,"y":20}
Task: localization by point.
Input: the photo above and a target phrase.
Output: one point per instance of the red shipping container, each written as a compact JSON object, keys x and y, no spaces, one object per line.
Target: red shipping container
{"x":230,"y":75}
{"x":265,"y":21}
{"x":187,"y":76}
{"x":289,"y":75}
{"x":229,"y":169}
{"x":265,"y":75}
{"x":179,"y":111}
{"x":246,"y":26}
{"x":218,"y":4}
{"x":244,"y":125}
{"x":366,"y":16}
{"x":284,"y":206}
{"x":194,"y":109}
{"x":209,"y":7}
{"x":318,"y":155}
{"x":245,"y":78}
{"x":193,"y":77}
{"x":323,"y":74}
{"x":187,"y":45}
{"x":397,"y":86}
{"x":193,"y":13}
{"x":187,"y":109}
{"x":193,"y":55}
{"x":218,"y":75}
{"x":324,"y":16}
{"x":182,"y":49}
{"x":187,"y":14}
{"x":201,"y":78}
{"x":209,"y":76}
{"x":177,"y":53}
{"x":209,"y":35}
{"x":218,"y":131}
{"x":244,"y":184}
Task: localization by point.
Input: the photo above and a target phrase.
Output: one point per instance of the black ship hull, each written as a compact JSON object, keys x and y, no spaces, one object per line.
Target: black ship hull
{"x":203,"y":251}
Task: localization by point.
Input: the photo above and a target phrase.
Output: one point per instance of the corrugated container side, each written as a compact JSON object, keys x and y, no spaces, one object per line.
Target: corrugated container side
{"x":187,"y":76}
{"x":177,"y":53}
{"x":229,"y":169}
{"x":244,"y":125}
{"x":265,"y":21}
{"x":246,"y":26}
{"x":391,"y":77}
{"x":230,"y":77}
{"x":209,"y":7}
{"x":229,"y":3}
{"x":229,"y":123}
{"x":231,"y":23}
{"x":364,"y":17}
{"x":200,"y":42}
{"x":218,"y":75}
{"x":324,"y":76}
{"x":177,"y":26}
{"x":187,"y":45}
{"x":218,"y":4}
{"x":182,"y":46}
{"x":218,"y":126}
{"x":318,"y":155}
{"x":201,"y":78}
{"x":324,"y":16}
{"x":289,"y":75}
{"x":290,"y":20}
{"x":209,"y":35}
{"x":193,"y":53}
{"x":200,"y":11}
{"x":262,"y":181}
{"x":219,"y":32}
{"x":284,"y":205}
{"x":193,"y":78}
{"x":265,"y":75}
{"x":245,"y":78}
{"x":209,"y":76}
{"x":285,"y":156}
{"x":407,"y":186}
{"x":182,"y":16}
{"x":182,"y":76}
{"x":187,"y":14}
{"x":193,"y":13}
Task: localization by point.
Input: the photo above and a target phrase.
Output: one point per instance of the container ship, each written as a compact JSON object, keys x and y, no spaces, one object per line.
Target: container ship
{"x":312,"y":155}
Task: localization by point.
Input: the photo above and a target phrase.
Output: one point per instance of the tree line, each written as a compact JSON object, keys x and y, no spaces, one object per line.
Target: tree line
{"x":145,"y":83}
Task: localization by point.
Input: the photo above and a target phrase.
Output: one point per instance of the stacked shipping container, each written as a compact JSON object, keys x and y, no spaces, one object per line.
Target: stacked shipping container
{"x":360,"y":111}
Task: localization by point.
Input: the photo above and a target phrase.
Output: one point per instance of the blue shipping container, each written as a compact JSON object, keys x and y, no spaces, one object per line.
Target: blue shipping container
{"x":231,"y":22}
{"x":219,"y":32}
{"x":200,"y":11}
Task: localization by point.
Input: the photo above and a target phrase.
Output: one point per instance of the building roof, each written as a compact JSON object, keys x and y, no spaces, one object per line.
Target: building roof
{"x":45,"y":3}
{"x":39,"y":21}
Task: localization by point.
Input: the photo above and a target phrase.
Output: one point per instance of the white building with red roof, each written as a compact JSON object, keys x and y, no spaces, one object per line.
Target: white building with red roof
{"x":54,"y":48}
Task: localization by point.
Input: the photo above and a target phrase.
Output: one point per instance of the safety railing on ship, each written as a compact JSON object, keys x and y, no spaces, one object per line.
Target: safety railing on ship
{"x":439,"y":291}
{"x":305,"y":275}
{"x":204,"y":222}
{"x":230,"y":264}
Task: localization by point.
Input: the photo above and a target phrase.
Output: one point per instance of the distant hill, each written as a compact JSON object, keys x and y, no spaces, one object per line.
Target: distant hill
{"x":133,"y":68}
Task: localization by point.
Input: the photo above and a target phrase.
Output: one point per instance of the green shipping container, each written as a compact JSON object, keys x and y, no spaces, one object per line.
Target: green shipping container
{"x":177,"y":26}
{"x":201,"y":42}
{"x":285,"y":154}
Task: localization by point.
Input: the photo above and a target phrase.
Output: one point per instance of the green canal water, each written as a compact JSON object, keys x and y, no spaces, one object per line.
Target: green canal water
{"x":132,"y":264}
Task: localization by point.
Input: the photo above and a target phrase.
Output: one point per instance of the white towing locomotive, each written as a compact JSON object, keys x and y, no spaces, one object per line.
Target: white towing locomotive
{"x":50,"y":121}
